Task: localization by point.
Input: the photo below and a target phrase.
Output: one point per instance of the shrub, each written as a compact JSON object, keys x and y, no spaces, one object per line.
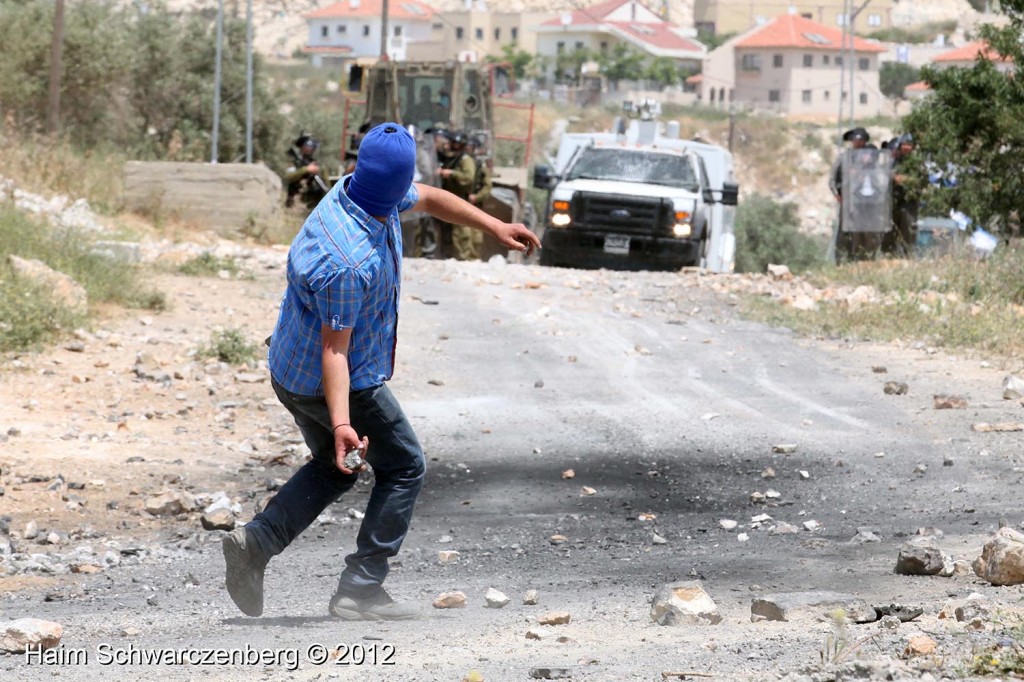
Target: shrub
{"x":207,"y":264}
{"x":229,"y":345}
{"x":767,"y":232}
{"x":28,"y":313}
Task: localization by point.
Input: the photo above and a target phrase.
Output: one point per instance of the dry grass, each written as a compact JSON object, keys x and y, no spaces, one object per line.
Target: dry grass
{"x":48,"y":167}
{"x":953,"y":302}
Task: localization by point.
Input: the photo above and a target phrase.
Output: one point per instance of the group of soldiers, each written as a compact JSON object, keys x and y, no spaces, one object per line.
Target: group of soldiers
{"x":459,"y":164}
{"x":877,"y":206}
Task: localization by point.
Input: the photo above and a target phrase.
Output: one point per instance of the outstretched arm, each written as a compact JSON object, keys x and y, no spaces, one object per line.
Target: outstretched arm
{"x":451,"y":209}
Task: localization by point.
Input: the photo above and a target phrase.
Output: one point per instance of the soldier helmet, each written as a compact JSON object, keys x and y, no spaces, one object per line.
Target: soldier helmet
{"x":457,"y":138}
{"x":857,"y":133}
{"x":306,"y":140}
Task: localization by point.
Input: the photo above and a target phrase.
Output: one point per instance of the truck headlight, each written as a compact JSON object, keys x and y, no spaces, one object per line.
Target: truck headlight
{"x":560,"y":213}
{"x":682,"y":230}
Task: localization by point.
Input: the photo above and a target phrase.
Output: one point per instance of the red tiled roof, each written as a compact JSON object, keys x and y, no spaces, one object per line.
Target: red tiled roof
{"x":970,"y":52}
{"x":792,"y":30}
{"x":589,"y":15}
{"x":397,"y":9}
{"x":695,"y":79}
{"x":657,"y":35}
{"x":919,"y":86}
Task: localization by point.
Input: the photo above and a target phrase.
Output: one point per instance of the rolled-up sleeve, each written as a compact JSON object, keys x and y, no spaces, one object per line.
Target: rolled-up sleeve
{"x":410,"y":199}
{"x":339,"y":299}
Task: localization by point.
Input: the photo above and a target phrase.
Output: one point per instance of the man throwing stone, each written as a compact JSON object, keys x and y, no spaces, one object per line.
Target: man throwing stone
{"x":332,"y":351}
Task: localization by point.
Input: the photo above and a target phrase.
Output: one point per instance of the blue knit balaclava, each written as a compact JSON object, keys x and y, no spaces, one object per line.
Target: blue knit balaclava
{"x":384,"y":169}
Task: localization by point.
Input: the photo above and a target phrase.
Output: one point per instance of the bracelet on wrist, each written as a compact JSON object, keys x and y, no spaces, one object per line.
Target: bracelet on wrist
{"x":338,"y":426}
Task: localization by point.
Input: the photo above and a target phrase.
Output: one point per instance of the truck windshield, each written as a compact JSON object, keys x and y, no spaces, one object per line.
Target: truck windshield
{"x":632,"y":165}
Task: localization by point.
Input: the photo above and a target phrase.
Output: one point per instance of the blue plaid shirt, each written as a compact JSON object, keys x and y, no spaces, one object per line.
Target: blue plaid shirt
{"x":344,"y":271}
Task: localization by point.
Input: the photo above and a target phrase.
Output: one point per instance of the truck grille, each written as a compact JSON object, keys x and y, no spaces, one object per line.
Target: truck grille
{"x":622,"y":214}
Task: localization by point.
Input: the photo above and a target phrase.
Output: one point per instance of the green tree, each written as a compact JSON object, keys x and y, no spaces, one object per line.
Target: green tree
{"x":712,"y":40}
{"x":620,"y":63}
{"x":568,"y":65}
{"x":663,"y":70}
{"x":973,"y":120}
{"x":519,"y":58}
{"x":895,"y":77}
{"x":135,"y":77}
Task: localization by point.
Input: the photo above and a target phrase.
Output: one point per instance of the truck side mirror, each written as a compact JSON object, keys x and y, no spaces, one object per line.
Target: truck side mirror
{"x":709,"y":196}
{"x":543,"y":177}
{"x":730,"y":193}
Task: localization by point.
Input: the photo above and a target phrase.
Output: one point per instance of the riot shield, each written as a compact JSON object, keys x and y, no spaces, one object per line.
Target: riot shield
{"x":420,"y":230}
{"x":867,"y":190}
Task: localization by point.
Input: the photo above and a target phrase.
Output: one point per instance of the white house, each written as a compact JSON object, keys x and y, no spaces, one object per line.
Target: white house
{"x":351,"y":29}
{"x":600,"y":27}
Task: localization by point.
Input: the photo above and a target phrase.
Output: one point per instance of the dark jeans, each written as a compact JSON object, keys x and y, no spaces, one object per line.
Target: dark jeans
{"x":398,"y":469}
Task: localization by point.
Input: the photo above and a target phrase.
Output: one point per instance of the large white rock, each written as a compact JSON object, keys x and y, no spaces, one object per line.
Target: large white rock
{"x":684,"y":603}
{"x":62,"y":288}
{"x":16,"y":636}
{"x":1002,"y":559}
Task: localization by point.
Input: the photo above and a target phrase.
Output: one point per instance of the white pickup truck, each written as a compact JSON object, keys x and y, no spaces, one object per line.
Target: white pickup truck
{"x":638,"y":200}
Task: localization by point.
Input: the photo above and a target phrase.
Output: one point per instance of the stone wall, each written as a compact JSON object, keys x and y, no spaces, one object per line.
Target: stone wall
{"x":226,"y":197}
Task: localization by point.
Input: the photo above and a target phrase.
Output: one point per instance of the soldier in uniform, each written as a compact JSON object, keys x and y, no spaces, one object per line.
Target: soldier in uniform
{"x":900,"y":241}
{"x":858,"y":139}
{"x":458,"y":173}
{"x":302,"y":177}
{"x":483,"y":182}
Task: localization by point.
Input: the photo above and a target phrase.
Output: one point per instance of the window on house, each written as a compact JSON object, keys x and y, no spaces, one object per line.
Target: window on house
{"x":777,"y":61}
{"x":805,"y":96}
{"x":839,"y":61}
{"x":497,"y":34}
{"x":863,"y":98}
{"x":479,"y":33}
{"x":560,"y":47}
{"x":845,"y":95}
{"x":341,"y":28}
{"x":515,"y":33}
{"x":366,"y":30}
{"x":874,"y":20}
{"x":807,"y":15}
{"x":579,"y":44}
{"x":774,"y":96}
{"x":750,"y":62}
{"x":808,"y":60}
{"x":398,"y":31}
{"x":604,"y":46}
{"x":840,"y":20}
{"x":458,"y":33}
{"x":828,"y":95}
{"x":437,"y":27}
{"x":324,"y":31}
{"x":863,"y":63}
{"x":825,"y":59}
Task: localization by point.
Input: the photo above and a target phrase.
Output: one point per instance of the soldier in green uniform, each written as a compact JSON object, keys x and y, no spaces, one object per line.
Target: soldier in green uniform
{"x":458,"y":174}
{"x":302,"y":177}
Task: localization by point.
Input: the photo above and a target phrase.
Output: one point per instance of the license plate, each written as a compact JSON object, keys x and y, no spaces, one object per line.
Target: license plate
{"x":617,"y":244}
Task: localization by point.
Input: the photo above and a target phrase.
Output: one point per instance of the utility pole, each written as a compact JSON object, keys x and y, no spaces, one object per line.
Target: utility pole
{"x":248,"y":81}
{"x":732,"y":124}
{"x":216,"y":83}
{"x":56,"y":69}
{"x":384,"y":31}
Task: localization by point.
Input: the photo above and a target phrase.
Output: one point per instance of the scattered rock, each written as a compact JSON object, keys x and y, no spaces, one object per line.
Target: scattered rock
{"x":728,"y":524}
{"x":817,"y":606}
{"x":568,"y":473}
{"x":555,"y":618}
{"x":879,"y":369}
{"x":779,"y":272}
{"x":18,"y":635}
{"x":997,"y":427}
{"x":450,"y":600}
{"x":684,"y":603}
{"x":1013,"y":387}
{"x":920,"y":556}
{"x":496,"y":599}
{"x":448,"y":556}
{"x":587,"y":491}
{"x":558,"y":539}
{"x":551,"y":673}
{"x":658,"y":540}
{"x":975,"y":606}
{"x":218,"y":519}
{"x":170,"y":504}
{"x":920,"y":645}
{"x":895,"y":388}
{"x":540,"y":633}
{"x":1002,"y":558}
{"x":531,"y":598}
{"x":784,"y":448}
{"x":950,"y":402}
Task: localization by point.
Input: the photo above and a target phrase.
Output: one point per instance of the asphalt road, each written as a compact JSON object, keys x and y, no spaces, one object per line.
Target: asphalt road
{"x":666,"y":404}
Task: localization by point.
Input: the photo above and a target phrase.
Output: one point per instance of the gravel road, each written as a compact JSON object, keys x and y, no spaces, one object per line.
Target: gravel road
{"x":647,"y":386}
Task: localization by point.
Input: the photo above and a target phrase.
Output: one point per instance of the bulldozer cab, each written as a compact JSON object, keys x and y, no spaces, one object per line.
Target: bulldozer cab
{"x":450,"y":95}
